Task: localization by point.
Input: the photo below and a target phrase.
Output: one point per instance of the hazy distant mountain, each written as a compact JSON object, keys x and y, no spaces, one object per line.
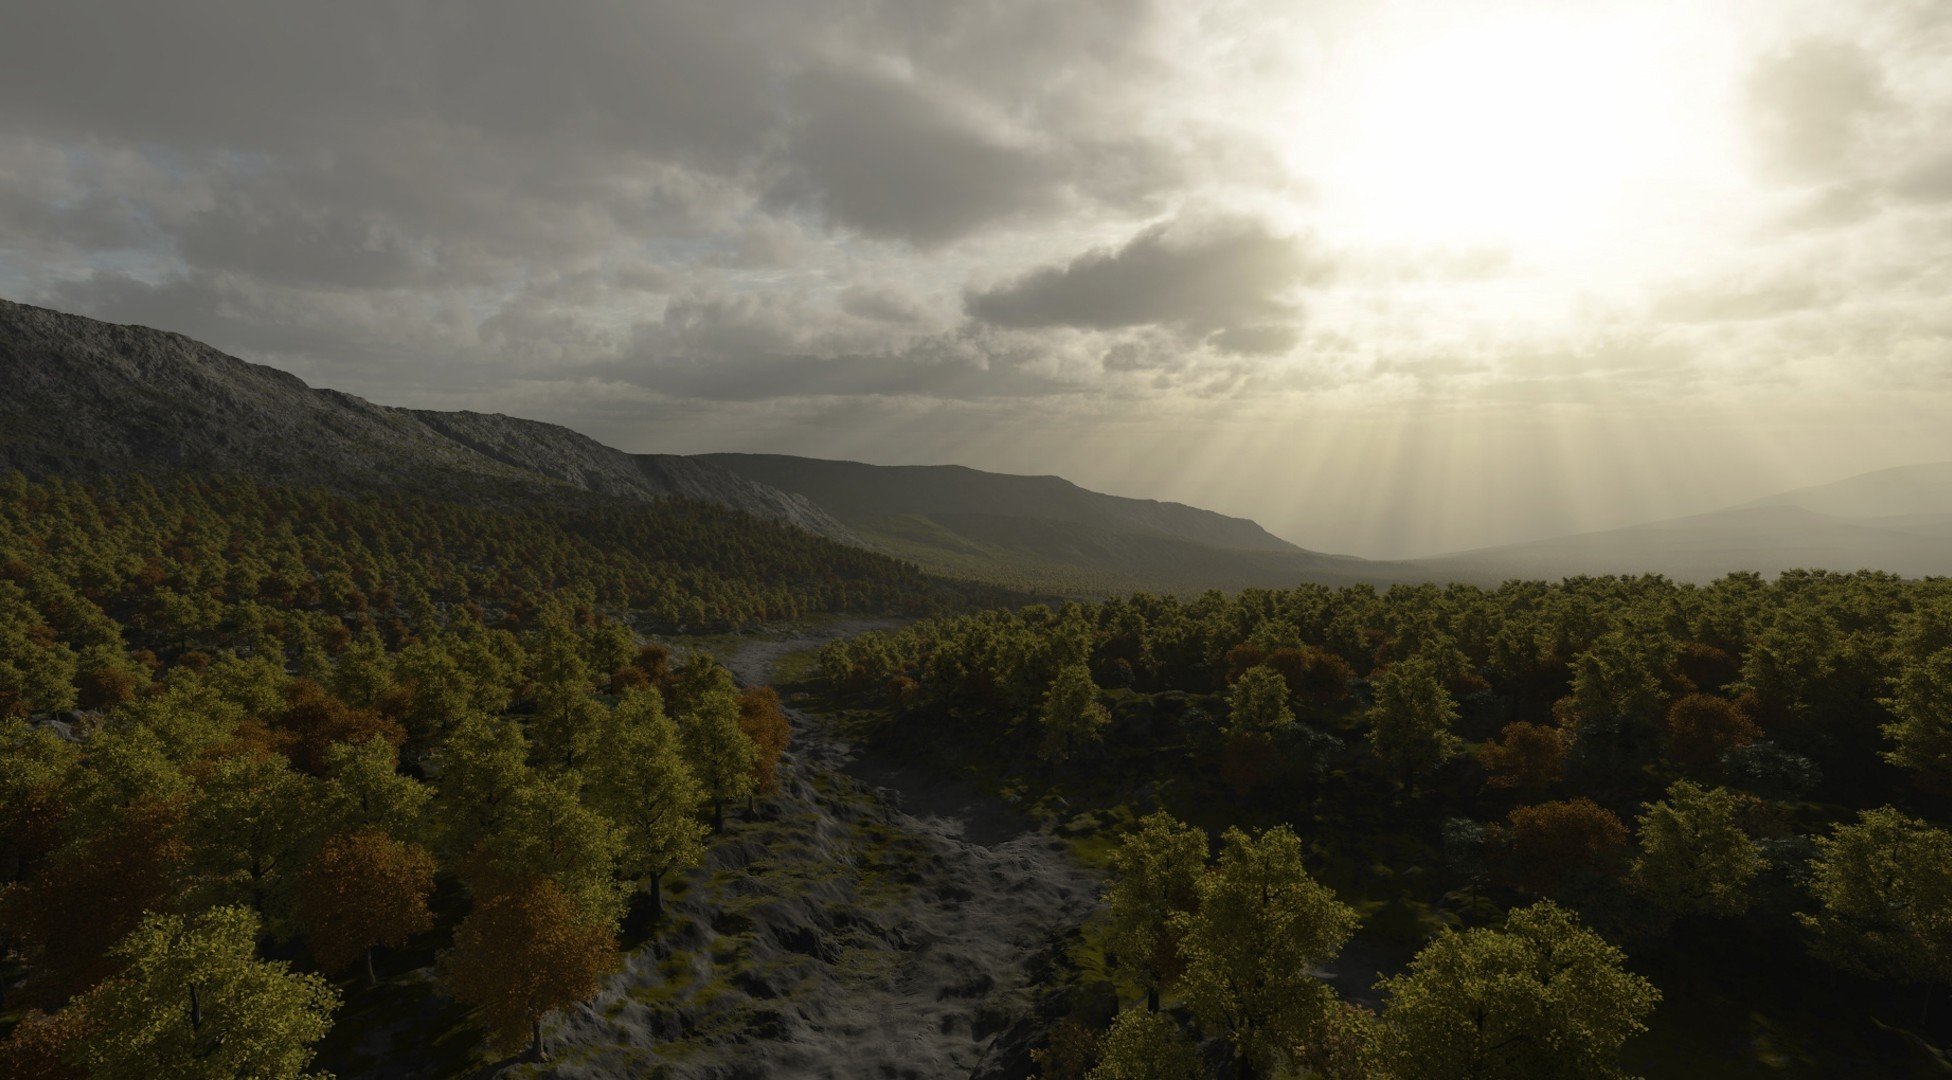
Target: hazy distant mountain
{"x":1043,"y":530}
{"x":77,"y":395}
{"x":1898,"y":520}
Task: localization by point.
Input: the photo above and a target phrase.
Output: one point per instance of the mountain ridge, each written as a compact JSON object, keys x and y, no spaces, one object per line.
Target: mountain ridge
{"x":88,"y":394}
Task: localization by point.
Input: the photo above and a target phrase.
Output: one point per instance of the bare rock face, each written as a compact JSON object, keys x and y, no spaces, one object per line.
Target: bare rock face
{"x":78,"y":395}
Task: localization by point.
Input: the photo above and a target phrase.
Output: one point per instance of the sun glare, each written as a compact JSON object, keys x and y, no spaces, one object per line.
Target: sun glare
{"x":1541,"y":133}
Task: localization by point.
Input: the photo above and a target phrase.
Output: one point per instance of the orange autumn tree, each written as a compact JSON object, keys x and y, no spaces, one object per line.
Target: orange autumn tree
{"x":364,"y":890}
{"x":1555,"y":844}
{"x":764,"y":721}
{"x":523,"y":954}
{"x":91,"y":893}
{"x":1701,"y":726}
{"x":1528,"y":757}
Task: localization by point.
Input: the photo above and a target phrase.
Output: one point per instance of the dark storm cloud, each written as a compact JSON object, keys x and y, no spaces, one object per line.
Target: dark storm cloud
{"x":1230,"y":279}
{"x":882,"y":156}
{"x":500,"y":182}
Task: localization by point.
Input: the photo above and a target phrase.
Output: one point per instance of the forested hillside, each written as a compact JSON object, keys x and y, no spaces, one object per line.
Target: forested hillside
{"x":1044,"y":532}
{"x":1536,"y":831}
{"x":255,"y":740}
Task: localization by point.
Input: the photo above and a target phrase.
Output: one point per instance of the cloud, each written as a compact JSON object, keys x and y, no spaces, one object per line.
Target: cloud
{"x":1808,"y":106}
{"x":887,"y":157}
{"x":1231,"y":279}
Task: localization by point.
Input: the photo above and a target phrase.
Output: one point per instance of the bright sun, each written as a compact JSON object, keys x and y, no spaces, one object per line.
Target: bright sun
{"x":1553,"y":130}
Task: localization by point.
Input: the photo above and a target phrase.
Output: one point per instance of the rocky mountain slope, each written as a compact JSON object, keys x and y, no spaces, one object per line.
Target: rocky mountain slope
{"x":85,"y":395}
{"x":1044,"y":531}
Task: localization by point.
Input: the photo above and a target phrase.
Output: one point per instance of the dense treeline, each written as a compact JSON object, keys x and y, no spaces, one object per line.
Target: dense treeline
{"x":195,"y":563}
{"x":1514,"y":784}
{"x":254,"y":740}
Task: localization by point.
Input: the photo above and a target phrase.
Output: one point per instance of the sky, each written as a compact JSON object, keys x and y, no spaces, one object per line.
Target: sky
{"x":1391,"y":278}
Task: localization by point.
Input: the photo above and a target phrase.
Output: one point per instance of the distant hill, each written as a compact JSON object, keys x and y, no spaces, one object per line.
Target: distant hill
{"x":81,"y":395}
{"x":1898,"y":520}
{"x":1044,"y":531}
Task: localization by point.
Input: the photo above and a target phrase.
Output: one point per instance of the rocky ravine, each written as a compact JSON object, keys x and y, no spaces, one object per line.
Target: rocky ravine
{"x":852,"y":930}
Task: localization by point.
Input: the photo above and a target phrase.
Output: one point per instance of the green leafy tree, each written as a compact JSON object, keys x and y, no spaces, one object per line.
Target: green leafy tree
{"x":1072,"y":717}
{"x":1617,"y":706}
{"x":197,"y":1002}
{"x":1156,"y":873}
{"x":1410,"y":722}
{"x":567,"y":718}
{"x":1694,"y":856}
{"x":1258,"y":703}
{"x":480,"y":767}
{"x":365,"y":789}
{"x":1921,"y":726}
{"x":1262,"y":928}
{"x":721,"y":755}
{"x":249,"y":825}
{"x":1883,"y":888}
{"x":548,"y":832}
{"x":1542,"y":997}
{"x":639,"y":779}
{"x":1144,"y":1045}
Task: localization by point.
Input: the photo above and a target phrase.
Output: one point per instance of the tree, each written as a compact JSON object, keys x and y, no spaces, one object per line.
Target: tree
{"x":764,"y":721}
{"x":1540,"y":998}
{"x":1528,"y":757}
{"x":1555,"y":845}
{"x":1921,"y":726}
{"x":36,"y":770}
{"x":247,"y":826}
{"x":1883,"y":887}
{"x":1143,"y":1045}
{"x":1702,"y":727}
{"x":364,"y":789}
{"x":1257,"y":711}
{"x":639,"y":779}
{"x":1258,"y":702}
{"x":480,"y":767}
{"x":46,"y":1047}
{"x":313,"y":721}
{"x":1616,"y":704}
{"x":1262,"y":927}
{"x":548,"y":832}
{"x":1072,"y":717}
{"x":1410,"y":721}
{"x":197,"y":1001}
{"x":364,"y":890}
{"x":1694,"y":856}
{"x":1155,"y":876}
{"x":129,"y":861}
{"x":721,"y":754}
{"x":567,"y":718}
{"x":524,"y":953}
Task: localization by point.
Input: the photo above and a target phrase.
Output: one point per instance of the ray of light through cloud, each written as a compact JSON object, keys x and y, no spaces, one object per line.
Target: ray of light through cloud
{"x":1390,"y":278}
